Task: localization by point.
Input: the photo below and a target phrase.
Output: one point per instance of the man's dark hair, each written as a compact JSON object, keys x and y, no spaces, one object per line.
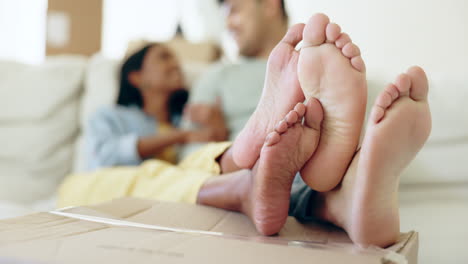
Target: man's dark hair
{"x":283,"y":7}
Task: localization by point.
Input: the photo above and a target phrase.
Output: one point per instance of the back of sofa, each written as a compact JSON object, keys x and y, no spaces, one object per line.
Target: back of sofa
{"x":45,"y":108}
{"x":38,"y":125}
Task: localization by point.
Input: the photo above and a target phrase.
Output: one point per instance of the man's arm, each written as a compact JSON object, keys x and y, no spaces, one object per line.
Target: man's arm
{"x":209,"y":117}
{"x":205,"y":91}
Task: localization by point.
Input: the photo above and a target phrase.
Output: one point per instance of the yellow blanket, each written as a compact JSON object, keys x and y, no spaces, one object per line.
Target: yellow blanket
{"x":154,"y":179}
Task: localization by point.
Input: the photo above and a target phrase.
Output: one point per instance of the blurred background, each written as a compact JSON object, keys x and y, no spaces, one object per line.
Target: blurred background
{"x":391,"y":34}
{"x":59,"y":61}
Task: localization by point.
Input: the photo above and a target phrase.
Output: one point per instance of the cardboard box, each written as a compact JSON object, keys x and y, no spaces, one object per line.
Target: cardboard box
{"x":141,"y":231}
{"x":77,"y":23}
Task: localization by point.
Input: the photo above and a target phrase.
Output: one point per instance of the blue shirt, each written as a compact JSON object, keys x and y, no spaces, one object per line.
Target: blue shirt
{"x":112,"y":133}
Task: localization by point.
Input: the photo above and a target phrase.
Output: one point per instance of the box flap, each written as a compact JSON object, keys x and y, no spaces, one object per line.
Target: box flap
{"x":131,"y":230}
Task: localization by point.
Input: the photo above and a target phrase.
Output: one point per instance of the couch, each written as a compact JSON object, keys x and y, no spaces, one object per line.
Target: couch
{"x":45,"y":107}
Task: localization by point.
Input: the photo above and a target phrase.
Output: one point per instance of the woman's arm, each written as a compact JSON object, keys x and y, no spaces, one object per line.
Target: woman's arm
{"x":150,"y":146}
{"x":107,"y":143}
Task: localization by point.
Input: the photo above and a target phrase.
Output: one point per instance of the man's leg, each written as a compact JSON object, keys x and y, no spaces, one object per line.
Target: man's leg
{"x":263,"y":193}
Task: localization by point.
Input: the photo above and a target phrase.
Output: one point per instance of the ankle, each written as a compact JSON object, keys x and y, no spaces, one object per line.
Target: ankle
{"x":244,"y":192}
{"x":226,"y":162}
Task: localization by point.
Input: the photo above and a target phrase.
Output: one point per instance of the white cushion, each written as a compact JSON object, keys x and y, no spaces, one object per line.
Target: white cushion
{"x":101,"y":85}
{"x":100,"y":88}
{"x":39,"y":125}
{"x":34,"y":92}
{"x":438,"y":163}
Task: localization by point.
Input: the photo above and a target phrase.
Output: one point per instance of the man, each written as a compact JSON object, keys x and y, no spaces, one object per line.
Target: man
{"x":227,"y":95}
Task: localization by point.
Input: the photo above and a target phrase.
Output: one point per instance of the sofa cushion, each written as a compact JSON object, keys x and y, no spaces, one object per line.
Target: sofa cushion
{"x":39,"y":125}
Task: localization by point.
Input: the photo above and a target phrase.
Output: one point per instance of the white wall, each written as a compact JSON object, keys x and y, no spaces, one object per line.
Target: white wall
{"x":22,"y":30}
{"x":124,"y":21}
{"x":395,"y":34}
{"x":392,"y":34}
{"x":157,"y":20}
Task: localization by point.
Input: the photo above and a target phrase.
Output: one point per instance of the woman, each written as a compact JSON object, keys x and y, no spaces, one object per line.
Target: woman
{"x":144,"y":122}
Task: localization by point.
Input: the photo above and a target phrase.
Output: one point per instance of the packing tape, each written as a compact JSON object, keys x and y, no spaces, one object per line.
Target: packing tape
{"x":389,"y":256}
{"x":123,"y":223}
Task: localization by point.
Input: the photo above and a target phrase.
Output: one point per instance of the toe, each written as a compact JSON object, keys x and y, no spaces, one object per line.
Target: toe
{"x":281,"y":127}
{"x":314,"y":31}
{"x":272,"y":139}
{"x":403,"y":84}
{"x":342,"y":40}
{"x":350,"y":50}
{"x":377,"y":114}
{"x":419,"y":84}
{"x":300,"y":108}
{"x":294,"y":35}
{"x":292,"y":117}
{"x":392,"y":91}
{"x":384,"y":100}
{"x":333,"y":32}
{"x":358,"y":64}
{"x":314,"y":114}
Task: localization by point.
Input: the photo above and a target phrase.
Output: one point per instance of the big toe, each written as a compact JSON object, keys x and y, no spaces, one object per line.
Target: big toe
{"x":420,"y":86}
{"x":315,"y":30}
{"x":314,"y":114}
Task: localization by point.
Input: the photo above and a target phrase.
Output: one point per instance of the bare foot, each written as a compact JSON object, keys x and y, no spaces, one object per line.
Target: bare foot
{"x":331,"y":69}
{"x":280,"y":94}
{"x":285,"y":151}
{"x":366,"y":204}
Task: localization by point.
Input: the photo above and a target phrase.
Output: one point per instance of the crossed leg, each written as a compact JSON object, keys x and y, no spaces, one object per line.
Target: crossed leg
{"x":365,"y":204}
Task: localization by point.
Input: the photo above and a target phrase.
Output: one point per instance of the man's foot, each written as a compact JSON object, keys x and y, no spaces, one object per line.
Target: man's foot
{"x":280,"y":94}
{"x":366,"y":203}
{"x":285,"y":151}
{"x":331,"y":69}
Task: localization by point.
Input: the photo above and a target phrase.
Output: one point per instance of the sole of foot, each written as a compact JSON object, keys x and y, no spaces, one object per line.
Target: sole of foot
{"x":366,"y":203}
{"x":283,"y":154}
{"x":280,"y":94}
{"x":331,"y":69}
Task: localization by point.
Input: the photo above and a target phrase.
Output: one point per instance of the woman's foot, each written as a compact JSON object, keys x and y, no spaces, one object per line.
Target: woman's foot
{"x":285,"y":151}
{"x":366,"y":204}
{"x":331,"y":69}
{"x":280,"y":94}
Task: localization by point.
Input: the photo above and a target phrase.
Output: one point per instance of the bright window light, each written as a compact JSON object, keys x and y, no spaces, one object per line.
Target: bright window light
{"x":125,"y":21}
{"x":22,"y":29}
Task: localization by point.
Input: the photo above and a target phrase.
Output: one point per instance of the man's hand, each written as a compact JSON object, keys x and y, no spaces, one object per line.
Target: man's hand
{"x":210,"y":118}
